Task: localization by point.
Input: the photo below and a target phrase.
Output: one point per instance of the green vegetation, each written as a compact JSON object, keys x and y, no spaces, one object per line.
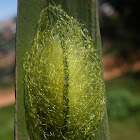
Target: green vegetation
{"x":123,"y":106}
{"x":125,"y":129}
{"x":123,"y":96}
{"x":7,"y":123}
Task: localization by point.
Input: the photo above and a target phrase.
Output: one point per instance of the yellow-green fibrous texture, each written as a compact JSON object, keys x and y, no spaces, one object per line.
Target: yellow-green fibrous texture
{"x":64,"y":88}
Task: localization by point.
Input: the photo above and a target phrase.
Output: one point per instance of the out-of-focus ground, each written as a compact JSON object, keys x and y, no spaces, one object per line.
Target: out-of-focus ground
{"x":7,"y":61}
{"x":7,"y":97}
{"x":115,"y":66}
{"x":121,"y":67}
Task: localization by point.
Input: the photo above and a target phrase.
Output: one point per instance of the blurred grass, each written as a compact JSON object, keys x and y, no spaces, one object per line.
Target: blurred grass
{"x":126,"y":129}
{"x":7,"y":123}
{"x":124,"y":107}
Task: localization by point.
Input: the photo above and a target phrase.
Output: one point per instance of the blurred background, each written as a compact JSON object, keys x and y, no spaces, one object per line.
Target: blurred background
{"x":120,"y":32}
{"x":8,"y":11}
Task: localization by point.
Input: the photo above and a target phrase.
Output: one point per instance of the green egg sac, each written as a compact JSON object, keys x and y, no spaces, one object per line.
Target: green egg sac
{"x":64,"y":87}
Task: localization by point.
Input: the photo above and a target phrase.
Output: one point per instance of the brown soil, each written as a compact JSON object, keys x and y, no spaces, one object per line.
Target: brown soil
{"x":114,"y":66}
{"x":7,"y":97}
